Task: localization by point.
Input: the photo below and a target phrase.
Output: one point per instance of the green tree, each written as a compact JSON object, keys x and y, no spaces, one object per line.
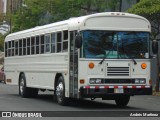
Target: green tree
{"x":1,"y":42}
{"x":37,"y":12}
{"x":2,"y":17}
{"x":151,"y":10}
{"x":26,"y":16}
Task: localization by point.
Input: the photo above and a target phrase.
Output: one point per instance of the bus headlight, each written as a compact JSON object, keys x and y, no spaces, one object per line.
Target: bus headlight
{"x":95,"y":81}
{"x":98,"y":81}
{"x":136,"y":81}
{"x":92,"y":81}
{"x":140,"y":81}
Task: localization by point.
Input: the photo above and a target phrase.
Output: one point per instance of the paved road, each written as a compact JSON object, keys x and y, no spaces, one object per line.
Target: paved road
{"x":11,"y":101}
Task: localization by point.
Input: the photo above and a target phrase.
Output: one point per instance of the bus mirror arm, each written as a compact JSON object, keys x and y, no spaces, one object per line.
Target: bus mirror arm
{"x":78,"y":41}
{"x":154,"y":46}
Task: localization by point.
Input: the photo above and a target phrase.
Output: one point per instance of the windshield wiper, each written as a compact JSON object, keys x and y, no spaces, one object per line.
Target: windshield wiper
{"x":128,"y":55}
{"x":105,"y":55}
{"x":102,"y":59}
{"x":134,"y":61}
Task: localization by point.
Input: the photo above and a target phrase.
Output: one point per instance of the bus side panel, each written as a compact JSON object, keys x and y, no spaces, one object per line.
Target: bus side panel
{"x":11,"y":78}
{"x":10,"y":69}
{"x":40,"y":80}
{"x":39,"y":70}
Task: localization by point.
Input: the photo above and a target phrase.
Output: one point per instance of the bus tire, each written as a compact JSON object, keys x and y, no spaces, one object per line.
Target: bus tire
{"x":122,"y":101}
{"x":23,"y":91}
{"x":26,"y":91}
{"x":33,"y":92}
{"x":60,"y":92}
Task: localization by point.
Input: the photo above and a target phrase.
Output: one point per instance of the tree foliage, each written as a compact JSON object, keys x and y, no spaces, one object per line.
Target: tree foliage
{"x":151,"y":10}
{"x":37,"y":12}
{"x":26,"y":16}
{"x":1,"y":42}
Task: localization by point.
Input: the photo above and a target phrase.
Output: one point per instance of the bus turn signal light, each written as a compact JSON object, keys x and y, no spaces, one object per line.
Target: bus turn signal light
{"x":82,"y":81}
{"x":143,"y":65}
{"x":91,"y":65}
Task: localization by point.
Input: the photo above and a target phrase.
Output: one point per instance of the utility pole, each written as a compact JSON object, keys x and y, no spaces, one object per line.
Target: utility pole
{"x":11,"y":17}
{"x":120,"y":5}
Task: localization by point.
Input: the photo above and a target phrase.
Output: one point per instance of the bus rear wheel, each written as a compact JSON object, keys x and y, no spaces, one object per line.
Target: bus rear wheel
{"x":122,"y":101}
{"x":26,"y":91}
{"x":60,"y":92}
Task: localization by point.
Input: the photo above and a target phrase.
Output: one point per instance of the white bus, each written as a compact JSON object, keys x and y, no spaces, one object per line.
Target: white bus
{"x":103,"y":55}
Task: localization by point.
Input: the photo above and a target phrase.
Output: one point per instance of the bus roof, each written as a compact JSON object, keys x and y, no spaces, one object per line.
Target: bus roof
{"x":75,"y":23}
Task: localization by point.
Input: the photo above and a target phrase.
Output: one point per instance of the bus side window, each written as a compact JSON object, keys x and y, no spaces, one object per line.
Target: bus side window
{"x":6,"y":49}
{"x":32,"y":45}
{"x":53,"y":42}
{"x":28,"y":46}
{"x":37,"y":44}
{"x":9,"y":49}
{"x":47,"y":43}
{"x":20,"y":47}
{"x":16,"y":47}
{"x":65,"y":40}
{"x":42,"y":44}
{"x":13,"y":47}
{"x":24,"y":46}
{"x":59,"y":42}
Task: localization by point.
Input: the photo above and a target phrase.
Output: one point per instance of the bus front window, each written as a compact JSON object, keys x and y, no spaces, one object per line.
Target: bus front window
{"x":114,"y":45}
{"x":133,"y":45}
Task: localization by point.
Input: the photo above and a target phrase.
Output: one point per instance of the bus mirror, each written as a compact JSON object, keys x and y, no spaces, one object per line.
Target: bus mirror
{"x":78,"y":41}
{"x":154,"y":46}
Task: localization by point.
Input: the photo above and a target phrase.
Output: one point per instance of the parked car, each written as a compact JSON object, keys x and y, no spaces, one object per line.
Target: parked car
{"x":2,"y":75}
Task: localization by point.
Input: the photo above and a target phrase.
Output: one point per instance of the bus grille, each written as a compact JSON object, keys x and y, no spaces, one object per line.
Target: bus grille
{"x":117,"y":71}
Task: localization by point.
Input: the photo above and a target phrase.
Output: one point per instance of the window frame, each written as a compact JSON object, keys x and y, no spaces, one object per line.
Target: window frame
{"x":16,"y":43}
{"x":47,"y":43}
{"x":37,"y":44}
{"x":65,"y":40}
{"x":28,"y":45}
{"x":59,"y":43}
{"x":55,"y":42}
{"x":13,"y":48}
{"x":24,"y":45}
{"x":32,"y":45}
{"x":42,"y":44}
{"x":6,"y":49}
{"x":9,"y":48}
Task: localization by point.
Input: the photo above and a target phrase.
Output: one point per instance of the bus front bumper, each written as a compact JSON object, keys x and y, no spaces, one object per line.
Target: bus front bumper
{"x":104,"y":91}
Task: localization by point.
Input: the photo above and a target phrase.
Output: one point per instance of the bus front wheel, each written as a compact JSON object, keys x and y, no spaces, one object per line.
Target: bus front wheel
{"x":60,"y":92}
{"x":122,"y":101}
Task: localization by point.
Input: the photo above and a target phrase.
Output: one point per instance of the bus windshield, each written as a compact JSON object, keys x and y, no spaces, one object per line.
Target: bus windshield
{"x":115,"y":45}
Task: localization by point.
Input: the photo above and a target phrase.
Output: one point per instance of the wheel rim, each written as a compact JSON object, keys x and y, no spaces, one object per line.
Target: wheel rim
{"x":22,"y":86}
{"x":59,"y":91}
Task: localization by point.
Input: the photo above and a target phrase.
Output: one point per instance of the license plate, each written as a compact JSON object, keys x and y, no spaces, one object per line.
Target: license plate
{"x":118,"y":90}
